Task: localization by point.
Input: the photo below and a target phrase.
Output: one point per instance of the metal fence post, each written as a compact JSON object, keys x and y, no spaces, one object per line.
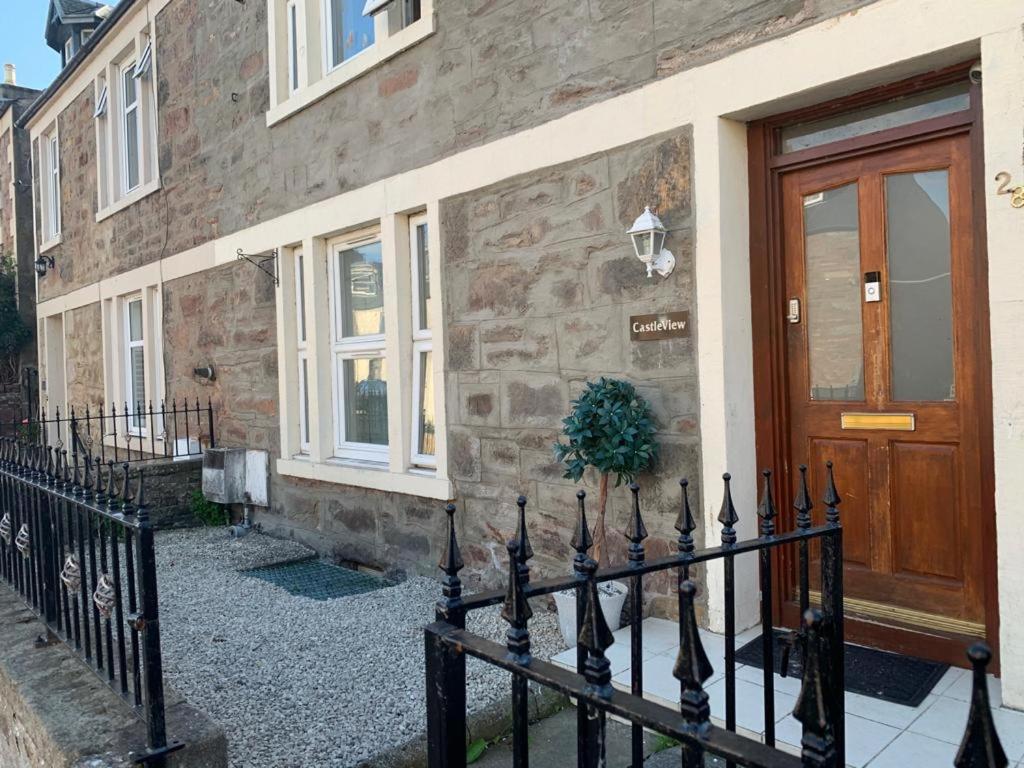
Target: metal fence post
{"x":832,"y":611}
{"x":152,"y":663}
{"x":446,"y":701}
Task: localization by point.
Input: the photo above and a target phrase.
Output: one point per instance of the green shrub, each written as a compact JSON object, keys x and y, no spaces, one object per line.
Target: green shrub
{"x":209,"y":513}
{"x":609,"y":429}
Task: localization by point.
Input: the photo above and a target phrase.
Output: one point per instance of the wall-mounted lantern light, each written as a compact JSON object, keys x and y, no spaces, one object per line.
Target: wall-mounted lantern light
{"x":648,"y":235}
{"x":42,"y":263}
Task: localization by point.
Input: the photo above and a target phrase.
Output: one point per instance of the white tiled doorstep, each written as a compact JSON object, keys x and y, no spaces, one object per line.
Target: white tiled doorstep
{"x":879,"y":734}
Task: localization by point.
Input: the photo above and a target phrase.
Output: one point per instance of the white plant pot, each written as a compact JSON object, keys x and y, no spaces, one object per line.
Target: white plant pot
{"x":611,"y":595}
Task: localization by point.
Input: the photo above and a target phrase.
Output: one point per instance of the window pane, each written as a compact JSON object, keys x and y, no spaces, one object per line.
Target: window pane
{"x":131,"y":149}
{"x":137,"y":374}
{"x":361,"y":289}
{"x":300,"y":295}
{"x":426,"y":405}
{"x":135,"y":320}
{"x":879,"y":117}
{"x":304,"y":402}
{"x":366,"y":401}
{"x":920,"y":286}
{"x":423,"y":269}
{"x":129,"y":85}
{"x":293,"y":43}
{"x":834,"y":338}
{"x":351,"y":32}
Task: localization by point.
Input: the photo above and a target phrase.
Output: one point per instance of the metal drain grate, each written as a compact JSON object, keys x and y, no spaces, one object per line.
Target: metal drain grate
{"x":318,"y":580}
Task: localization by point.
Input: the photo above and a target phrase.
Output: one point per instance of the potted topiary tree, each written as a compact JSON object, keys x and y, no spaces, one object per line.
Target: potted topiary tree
{"x":609,"y":429}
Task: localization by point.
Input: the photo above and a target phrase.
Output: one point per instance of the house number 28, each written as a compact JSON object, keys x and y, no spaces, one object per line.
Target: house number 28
{"x":1016,"y":193}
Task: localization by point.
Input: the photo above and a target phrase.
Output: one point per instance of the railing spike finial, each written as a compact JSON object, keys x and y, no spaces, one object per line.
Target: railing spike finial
{"x":811,"y":705}
{"x":111,"y":487}
{"x":126,"y":497}
{"x":140,"y":495}
{"x":728,"y":517}
{"x":832,"y":500}
{"x":450,"y":607}
{"x":766,"y":509}
{"x":803,"y":505}
{"x":582,"y":541}
{"x":595,"y":637}
{"x":76,"y":475}
{"x":516,"y":610}
{"x":636,"y":531}
{"x":100,"y":488}
{"x":523,"y":549}
{"x":67,"y":469}
{"x":692,"y":668}
{"x":87,"y":484}
{"x":980,"y":747}
{"x":685,"y":523}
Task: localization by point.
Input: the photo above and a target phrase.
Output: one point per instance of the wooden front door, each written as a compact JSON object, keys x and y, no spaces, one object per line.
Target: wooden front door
{"x":883,"y":378}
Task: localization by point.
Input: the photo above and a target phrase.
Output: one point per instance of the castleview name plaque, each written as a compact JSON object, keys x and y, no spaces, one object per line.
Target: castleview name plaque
{"x":666,"y":325}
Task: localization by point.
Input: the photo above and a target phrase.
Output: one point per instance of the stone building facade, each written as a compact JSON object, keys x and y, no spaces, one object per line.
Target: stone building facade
{"x":16,"y":241}
{"x":495,"y":150}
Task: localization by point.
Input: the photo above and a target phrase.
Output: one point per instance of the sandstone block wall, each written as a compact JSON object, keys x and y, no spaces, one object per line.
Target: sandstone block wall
{"x":494,"y":67}
{"x":542,"y":280}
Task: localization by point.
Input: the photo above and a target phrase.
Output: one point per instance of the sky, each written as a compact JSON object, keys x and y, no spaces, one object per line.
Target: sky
{"x":22,"y":43}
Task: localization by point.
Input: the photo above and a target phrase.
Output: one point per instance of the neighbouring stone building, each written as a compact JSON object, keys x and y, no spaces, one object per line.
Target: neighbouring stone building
{"x":16,"y":240}
{"x":441,"y":192}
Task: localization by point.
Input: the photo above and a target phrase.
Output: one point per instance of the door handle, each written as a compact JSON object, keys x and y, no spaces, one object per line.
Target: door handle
{"x":794,"y":311}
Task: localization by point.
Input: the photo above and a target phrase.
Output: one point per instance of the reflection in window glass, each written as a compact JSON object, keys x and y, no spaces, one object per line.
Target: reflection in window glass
{"x":350,"y":32}
{"x":426,"y":400}
{"x":920,"y":285}
{"x":423,"y":276}
{"x":878,"y":117}
{"x":366,"y":400}
{"x":361,"y":288}
{"x":834,"y":330}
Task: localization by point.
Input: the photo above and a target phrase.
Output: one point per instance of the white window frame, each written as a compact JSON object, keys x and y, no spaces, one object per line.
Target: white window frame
{"x":52,"y":166}
{"x":137,"y":424}
{"x":69,"y":49}
{"x":302,"y":349}
{"x":344,"y":348}
{"x":422,"y":341}
{"x":126,"y":72}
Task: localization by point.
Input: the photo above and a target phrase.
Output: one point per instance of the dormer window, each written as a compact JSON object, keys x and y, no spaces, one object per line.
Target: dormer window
{"x":69,"y":49}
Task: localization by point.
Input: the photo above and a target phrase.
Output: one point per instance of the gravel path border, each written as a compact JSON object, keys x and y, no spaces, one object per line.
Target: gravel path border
{"x":301,"y":682}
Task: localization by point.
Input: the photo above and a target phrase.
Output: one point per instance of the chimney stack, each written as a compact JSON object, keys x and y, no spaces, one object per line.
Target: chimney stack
{"x":9,"y":74}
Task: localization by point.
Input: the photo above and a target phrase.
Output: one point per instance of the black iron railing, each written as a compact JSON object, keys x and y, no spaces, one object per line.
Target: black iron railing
{"x":820,"y":708}
{"x":126,"y":434}
{"x":77,"y":544}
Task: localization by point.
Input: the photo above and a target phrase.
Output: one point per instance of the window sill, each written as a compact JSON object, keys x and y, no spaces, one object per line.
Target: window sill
{"x":44,"y":247}
{"x":355,"y":67}
{"x":414,"y":483}
{"x":130,"y":199}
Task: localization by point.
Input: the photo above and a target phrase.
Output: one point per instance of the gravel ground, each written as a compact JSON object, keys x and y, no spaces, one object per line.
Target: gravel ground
{"x":301,"y":682}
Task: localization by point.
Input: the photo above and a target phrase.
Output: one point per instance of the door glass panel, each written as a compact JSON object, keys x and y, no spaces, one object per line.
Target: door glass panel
{"x":920,"y":286}
{"x":834,"y":333}
{"x":878,"y":117}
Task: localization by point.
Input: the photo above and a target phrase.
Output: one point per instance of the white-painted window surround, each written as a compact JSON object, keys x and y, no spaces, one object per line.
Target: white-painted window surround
{"x":133,"y":361}
{"x":317,"y":46}
{"x":126,"y":115}
{"x":49,"y":188}
{"x":362,"y":396}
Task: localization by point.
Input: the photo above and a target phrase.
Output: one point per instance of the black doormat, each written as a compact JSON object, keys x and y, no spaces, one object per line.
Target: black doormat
{"x":870,"y":672}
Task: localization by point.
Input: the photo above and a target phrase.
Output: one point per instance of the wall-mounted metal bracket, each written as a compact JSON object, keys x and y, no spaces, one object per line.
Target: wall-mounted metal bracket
{"x":258,"y":260}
